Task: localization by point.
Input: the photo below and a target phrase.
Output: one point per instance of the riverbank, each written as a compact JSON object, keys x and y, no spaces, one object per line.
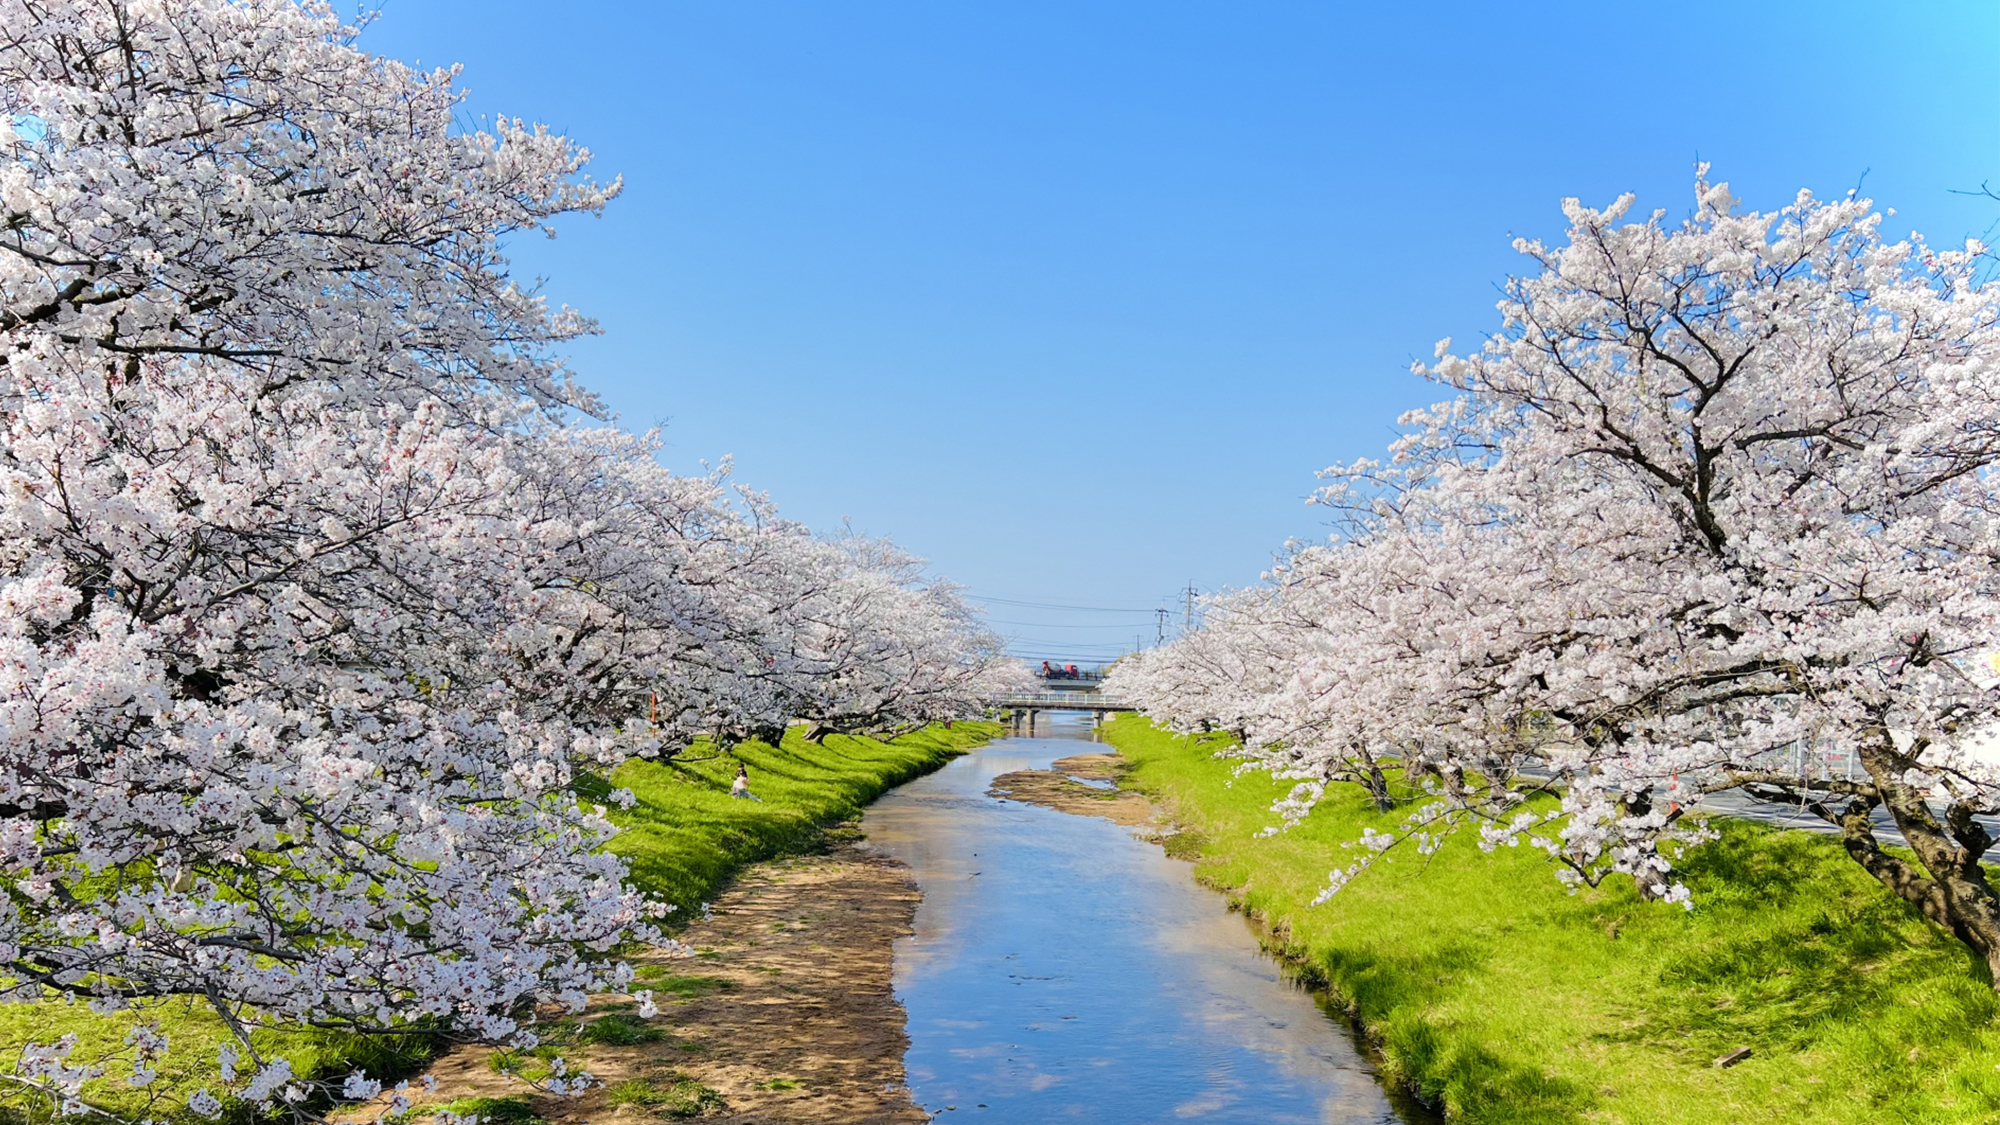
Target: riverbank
{"x":1506,"y":1001}
{"x":684,"y":840}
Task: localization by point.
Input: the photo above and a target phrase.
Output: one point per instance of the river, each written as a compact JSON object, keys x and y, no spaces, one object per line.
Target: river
{"x":1064,"y":969}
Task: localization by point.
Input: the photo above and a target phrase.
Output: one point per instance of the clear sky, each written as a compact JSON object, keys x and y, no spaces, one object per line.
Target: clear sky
{"x":1073,"y":298}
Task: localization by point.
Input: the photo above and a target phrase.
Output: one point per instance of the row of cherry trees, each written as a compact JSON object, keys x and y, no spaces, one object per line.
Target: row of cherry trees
{"x":315,"y":595}
{"x":1715,"y":508}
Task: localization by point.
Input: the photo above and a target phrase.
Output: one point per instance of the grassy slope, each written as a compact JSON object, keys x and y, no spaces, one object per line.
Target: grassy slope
{"x":684,"y":839}
{"x":687,"y":835}
{"x":1508,"y":1000}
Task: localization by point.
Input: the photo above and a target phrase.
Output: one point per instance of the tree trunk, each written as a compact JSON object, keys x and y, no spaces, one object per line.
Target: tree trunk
{"x":1377,"y":785}
{"x":1951,"y":889}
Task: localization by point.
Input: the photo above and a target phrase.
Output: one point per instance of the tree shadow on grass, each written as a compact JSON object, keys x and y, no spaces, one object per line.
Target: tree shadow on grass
{"x":1462,"y":1076}
{"x":1789,"y":942}
{"x":1396,"y":996}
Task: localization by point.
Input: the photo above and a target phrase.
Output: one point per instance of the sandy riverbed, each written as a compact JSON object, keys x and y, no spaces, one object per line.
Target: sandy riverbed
{"x":1059,"y":788}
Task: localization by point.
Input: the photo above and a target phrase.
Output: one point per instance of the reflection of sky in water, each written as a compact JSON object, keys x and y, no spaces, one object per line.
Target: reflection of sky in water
{"x":1062,"y":969}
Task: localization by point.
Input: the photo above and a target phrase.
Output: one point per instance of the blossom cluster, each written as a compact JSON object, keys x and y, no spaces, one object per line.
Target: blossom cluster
{"x":319,"y":593}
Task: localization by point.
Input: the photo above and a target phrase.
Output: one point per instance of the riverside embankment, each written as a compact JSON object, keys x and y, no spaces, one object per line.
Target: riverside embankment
{"x":1497,"y":995}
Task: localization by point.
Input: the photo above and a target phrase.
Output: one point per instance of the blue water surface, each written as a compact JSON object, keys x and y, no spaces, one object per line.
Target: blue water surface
{"x":1064,"y":969}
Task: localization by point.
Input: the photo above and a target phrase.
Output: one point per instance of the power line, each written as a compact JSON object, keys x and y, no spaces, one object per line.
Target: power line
{"x":1085,"y":649}
{"x":1053,"y":639}
{"x":1049,"y":605}
{"x":1066,"y":648}
{"x":1044,"y":638}
{"x":1053,"y":624}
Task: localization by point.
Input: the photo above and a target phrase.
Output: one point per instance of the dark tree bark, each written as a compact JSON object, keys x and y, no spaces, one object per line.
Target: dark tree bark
{"x":1952,"y":889}
{"x":1947,"y":883}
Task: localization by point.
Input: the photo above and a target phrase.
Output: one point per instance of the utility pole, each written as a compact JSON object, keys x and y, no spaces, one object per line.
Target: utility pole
{"x":1187,"y":620}
{"x":1160,"y":627}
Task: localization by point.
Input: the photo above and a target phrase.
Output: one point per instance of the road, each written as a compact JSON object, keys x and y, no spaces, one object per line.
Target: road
{"x":1733,"y":802}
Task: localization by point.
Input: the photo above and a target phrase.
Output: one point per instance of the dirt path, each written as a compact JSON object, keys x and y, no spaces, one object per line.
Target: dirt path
{"x":786,"y":1015}
{"x":1062,"y":788}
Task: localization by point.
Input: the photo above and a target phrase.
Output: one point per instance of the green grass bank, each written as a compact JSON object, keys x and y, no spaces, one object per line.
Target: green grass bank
{"x":1497,"y":995}
{"x":687,"y":836}
{"x":684,"y":839}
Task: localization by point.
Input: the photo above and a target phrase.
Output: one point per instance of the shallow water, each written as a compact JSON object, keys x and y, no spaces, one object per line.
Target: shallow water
{"x":1063,"y":969}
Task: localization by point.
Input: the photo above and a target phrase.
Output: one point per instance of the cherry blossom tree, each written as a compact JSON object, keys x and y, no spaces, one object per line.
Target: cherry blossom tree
{"x":872,"y":646}
{"x":314,"y":599}
{"x":843,"y":632}
{"x":1714,"y":510}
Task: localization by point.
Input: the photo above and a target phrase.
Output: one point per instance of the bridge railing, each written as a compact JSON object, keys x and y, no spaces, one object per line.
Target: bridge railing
{"x":1058,"y":700}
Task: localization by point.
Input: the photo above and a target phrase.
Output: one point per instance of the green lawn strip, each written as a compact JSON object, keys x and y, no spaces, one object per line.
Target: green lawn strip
{"x":1498,"y":994}
{"x":684,"y":839}
{"x":688,"y":836}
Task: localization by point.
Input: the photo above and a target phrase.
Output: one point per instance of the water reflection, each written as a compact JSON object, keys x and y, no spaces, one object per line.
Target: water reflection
{"x":1062,"y":969}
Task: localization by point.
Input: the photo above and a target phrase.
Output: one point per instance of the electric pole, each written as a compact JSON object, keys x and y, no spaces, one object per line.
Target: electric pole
{"x":1187,"y":620}
{"x":1160,"y":627}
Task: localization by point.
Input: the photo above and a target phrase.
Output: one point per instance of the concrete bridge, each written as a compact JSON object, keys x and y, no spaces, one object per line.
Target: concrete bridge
{"x":1024,"y":708}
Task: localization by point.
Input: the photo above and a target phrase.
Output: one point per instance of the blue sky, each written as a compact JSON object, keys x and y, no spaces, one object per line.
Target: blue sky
{"x":1073,"y":298}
